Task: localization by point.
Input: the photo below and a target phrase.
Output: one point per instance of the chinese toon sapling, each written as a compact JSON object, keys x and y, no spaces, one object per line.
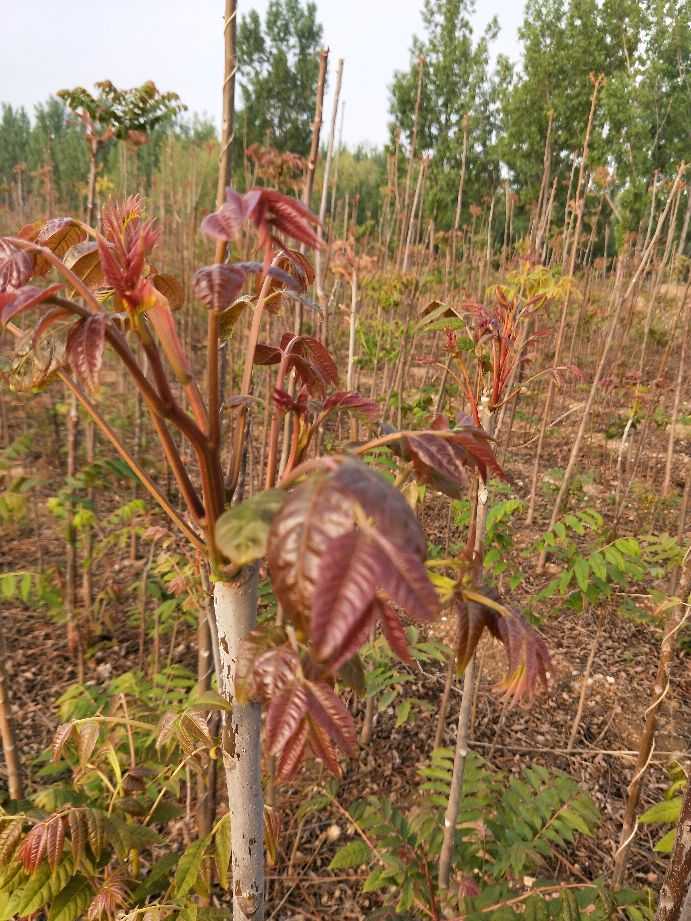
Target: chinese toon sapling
{"x":344,"y":549}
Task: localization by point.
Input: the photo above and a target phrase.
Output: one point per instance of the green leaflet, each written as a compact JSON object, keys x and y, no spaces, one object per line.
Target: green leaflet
{"x":190,"y":865}
{"x":352,"y":854}
{"x":242,"y":530}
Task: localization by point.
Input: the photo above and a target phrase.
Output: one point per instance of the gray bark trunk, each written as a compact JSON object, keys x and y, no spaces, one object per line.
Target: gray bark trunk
{"x":235,"y":605}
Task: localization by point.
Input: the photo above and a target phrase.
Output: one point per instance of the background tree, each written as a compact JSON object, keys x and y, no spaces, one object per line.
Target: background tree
{"x":456,"y":81}
{"x":123,"y":114}
{"x":278,"y":67}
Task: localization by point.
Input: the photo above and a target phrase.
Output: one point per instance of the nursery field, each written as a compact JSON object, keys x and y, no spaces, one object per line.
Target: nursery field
{"x":344,"y":493}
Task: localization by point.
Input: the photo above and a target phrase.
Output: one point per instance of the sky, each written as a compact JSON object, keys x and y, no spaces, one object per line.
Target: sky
{"x":177,"y":43}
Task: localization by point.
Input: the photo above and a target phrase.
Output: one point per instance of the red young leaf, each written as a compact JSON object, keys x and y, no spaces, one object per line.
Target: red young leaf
{"x":34,"y":847}
{"x":12,"y":303}
{"x":292,"y":753}
{"x":323,"y":748}
{"x":347,"y":578}
{"x":84,"y":348}
{"x":312,"y":516}
{"x":110,"y":896}
{"x":439,"y":463}
{"x":60,"y":234}
{"x":286,"y":711}
{"x":352,"y":401}
{"x":266,"y":354}
{"x":329,"y":712}
{"x":55,"y":840}
{"x":218,"y":286}
{"x":10,"y":836}
{"x":128,"y":241}
{"x":298,"y":266}
{"x":317,"y":356}
{"x":394,"y":634}
{"x":269,"y":672}
{"x":16,"y":266}
{"x":526,"y":651}
{"x":62,"y":734}
{"x":76,"y":821}
{"x":382,"y":503}
{"x":404,"y":579}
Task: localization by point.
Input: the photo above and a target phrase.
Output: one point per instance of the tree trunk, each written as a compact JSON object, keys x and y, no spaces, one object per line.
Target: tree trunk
{"x":465,"y":715}
{"x":675,"y":895}
{"x":7,"y":735}
{"x":318,"y":263}
{"x":235,"y":606}
{"x":91,"y":189}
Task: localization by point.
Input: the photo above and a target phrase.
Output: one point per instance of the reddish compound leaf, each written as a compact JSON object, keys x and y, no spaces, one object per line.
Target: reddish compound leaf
{"x":471,"y":620}
{"x":16,"y":266}
{"x":393,"y":631}
{"x":226,"y":223}
{"x":84,"y":348}
{"x":266,"y":354}
{"x":55,"y":840}
{"x":298,"y":266}
{"x":62,"y":734}
{"x":526,"y":651}
{"x":439,"y":463}
{"x":323,"y":748}
{"x":84,"y":260}
{"x":313,"y":515}
{"x":96,"y":831}
{"x":12,"y":303}
{"x":328,"y":711}
{"x":285,"y":714}
{"x":404,"y":579}
{"x":353,"y":402}
{"x":266,"y":664}
{"x":76,"y":821}
{"x":318,"y":357}
{"x":60,"y":234}
{"x":347,"y":578}
{"x":34,"y":847}
{"x":381,"y":502}
{"x":478,"y":445}
{"x":218,"y":286}
{"x":292,"y":754}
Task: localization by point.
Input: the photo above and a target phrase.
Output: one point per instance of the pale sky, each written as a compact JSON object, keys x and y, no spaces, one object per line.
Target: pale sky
{"x":46,"y":46}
